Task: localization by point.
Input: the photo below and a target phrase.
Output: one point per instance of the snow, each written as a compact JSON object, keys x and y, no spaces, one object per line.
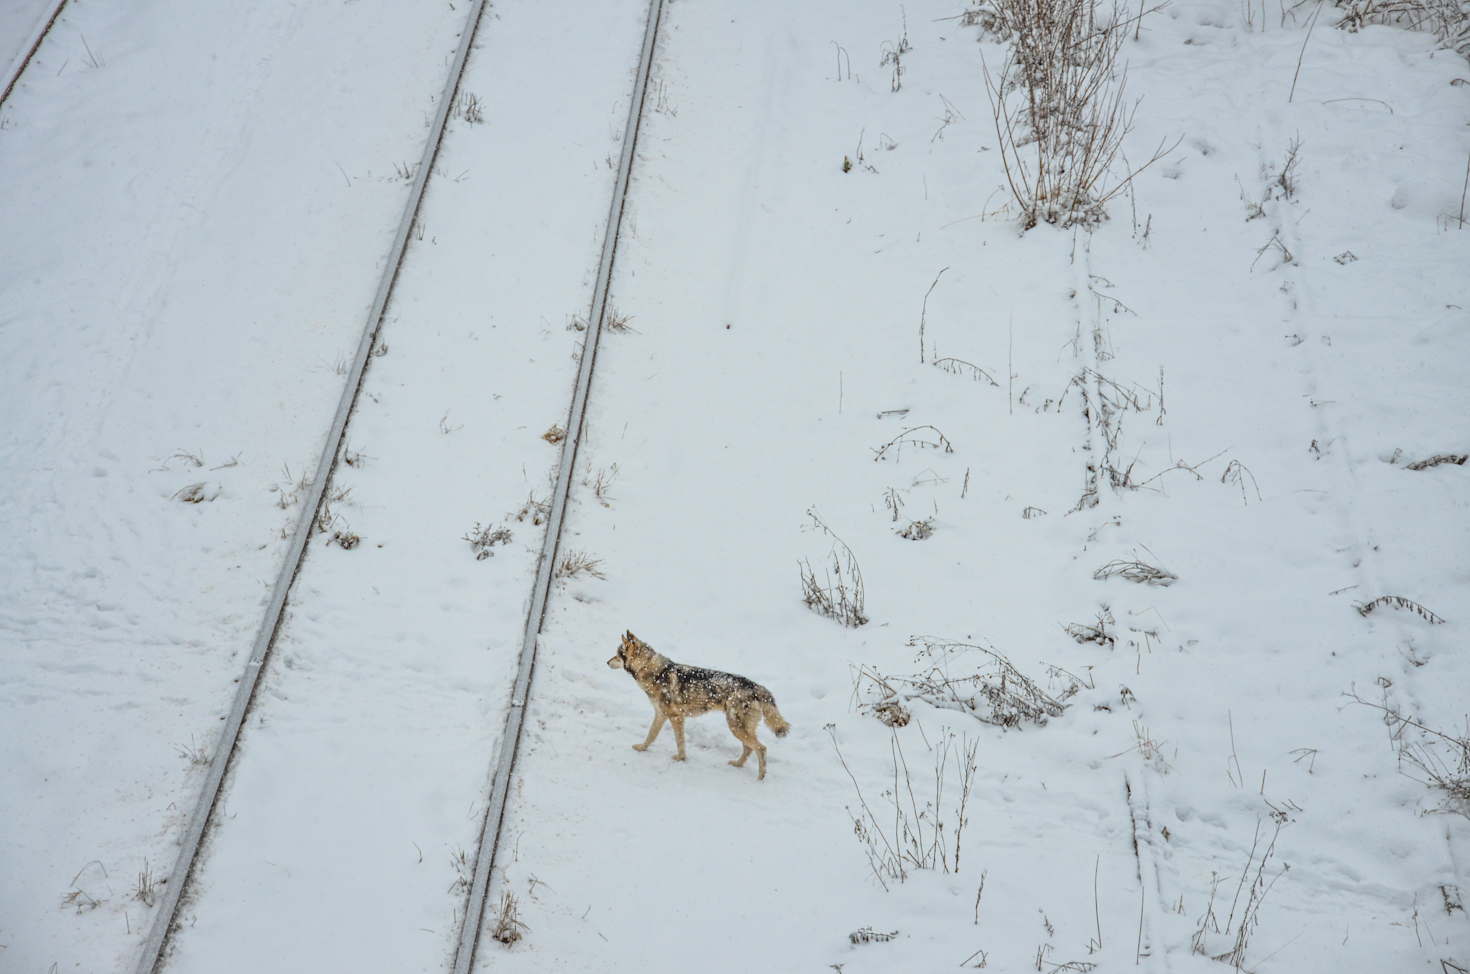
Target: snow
{"x":186,"y":264}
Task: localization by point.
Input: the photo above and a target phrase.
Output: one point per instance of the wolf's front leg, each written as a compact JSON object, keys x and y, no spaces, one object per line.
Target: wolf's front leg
{"x":658,"y":725}
{"x":678,"y":723}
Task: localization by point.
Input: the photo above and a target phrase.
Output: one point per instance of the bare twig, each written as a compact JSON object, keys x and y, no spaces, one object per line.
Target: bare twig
{"x":881,"y":453}
{"x":956,"y":366}
{"x":1303,"y":52}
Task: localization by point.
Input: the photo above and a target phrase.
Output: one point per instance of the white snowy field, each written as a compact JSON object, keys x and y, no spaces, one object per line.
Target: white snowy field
{"x":183,"y":265}
{"x":778,"y":300}
{"x":195,"y":227}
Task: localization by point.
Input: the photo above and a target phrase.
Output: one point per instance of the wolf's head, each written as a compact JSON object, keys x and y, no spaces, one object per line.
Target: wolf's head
{"x":628,"y":647}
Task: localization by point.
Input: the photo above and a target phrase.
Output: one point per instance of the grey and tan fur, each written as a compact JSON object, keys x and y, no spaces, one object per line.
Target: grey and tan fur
{"x":678,"y":691}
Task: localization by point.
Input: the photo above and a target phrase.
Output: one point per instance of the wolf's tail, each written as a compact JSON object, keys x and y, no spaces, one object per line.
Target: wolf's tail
{"x":774,"y":720}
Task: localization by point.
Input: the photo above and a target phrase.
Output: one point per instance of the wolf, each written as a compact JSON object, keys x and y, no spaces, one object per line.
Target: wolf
{"x":678,"y":691}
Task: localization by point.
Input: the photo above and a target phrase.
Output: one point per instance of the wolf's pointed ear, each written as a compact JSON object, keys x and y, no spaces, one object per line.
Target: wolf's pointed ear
{"x":629,"y":637}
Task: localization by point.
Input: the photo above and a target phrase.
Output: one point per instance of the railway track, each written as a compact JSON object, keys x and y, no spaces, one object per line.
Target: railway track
{"x":181,"y":899}
{"x":28,"y":49}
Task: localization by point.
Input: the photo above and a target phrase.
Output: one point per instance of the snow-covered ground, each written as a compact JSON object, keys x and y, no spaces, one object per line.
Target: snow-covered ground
{"x":183,"y":271}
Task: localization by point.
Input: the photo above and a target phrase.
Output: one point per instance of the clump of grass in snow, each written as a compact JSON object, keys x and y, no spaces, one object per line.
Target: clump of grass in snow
{"x":1095,"y":633}
{"x":328,"y":520}
{"x":146,"y":886}
{"x":196,"y":754}
{"x":601,"y":483}
{"x":875,"y":696}
{"x":554,"y":435}
{"x":464,"y":870}
{"x":536,"y":510}
{"x":617,"y":322}
{"x":1135,"y":571}
{"x":893,"y":52}
{"x":867,"y":935}
{"x":289,"y":492}
{"x":508,"y":925}
{"x":192,"y":494}
{"x":469,"y":107}
{"x":77,"y":896}
{"x":575,"y":563}
{"x":1249,"y":912}
{"x":843,"y":598}
{"x":918,"y":530}
{"x":484,"y":539}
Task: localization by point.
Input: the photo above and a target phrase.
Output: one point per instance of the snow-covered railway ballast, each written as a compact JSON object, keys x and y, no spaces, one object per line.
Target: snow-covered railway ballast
{"x":391,"y":668}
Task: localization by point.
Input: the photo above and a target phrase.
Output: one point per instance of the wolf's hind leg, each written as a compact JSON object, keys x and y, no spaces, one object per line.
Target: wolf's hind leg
{"x":678,"y":723}
{"x":737,"y":719}
{"x":742,"y":725}
{"x":658,"y":725}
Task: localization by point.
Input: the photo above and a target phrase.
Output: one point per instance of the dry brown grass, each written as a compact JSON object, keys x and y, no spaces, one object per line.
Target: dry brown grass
{"x":576,"y":562}
{"x":1398,"y":602}
{"x":843,"y":598}
{"x":1059,"y":109}
{"x":1447,"y":20}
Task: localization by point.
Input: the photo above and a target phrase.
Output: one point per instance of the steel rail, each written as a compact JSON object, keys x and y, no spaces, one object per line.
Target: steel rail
{"x":164,"y":919}
{"x":18,"y":67}
{"x":504,"y":767}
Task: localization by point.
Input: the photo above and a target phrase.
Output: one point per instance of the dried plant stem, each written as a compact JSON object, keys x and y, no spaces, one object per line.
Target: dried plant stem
{"x":924,"y":312}
{"x":1303,"y":53}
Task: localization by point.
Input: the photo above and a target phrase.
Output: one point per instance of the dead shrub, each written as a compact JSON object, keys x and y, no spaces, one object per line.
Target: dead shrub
{"x":918,"y":530}
{"x":1095,"y":633}
{"x":958,"y":676}
{"x":1255,"y":895}
{"x":843,"y":598}
{"x":1059,"y":110}
{"x":1448,"y":20}
{"x":1433,"y":757}
{"x":910,"y":835}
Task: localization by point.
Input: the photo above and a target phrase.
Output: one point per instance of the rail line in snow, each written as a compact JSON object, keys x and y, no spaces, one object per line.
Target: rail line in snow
{"x":504,"y":767}
{"x":28,"y":51}
{"x":164,"y":919}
